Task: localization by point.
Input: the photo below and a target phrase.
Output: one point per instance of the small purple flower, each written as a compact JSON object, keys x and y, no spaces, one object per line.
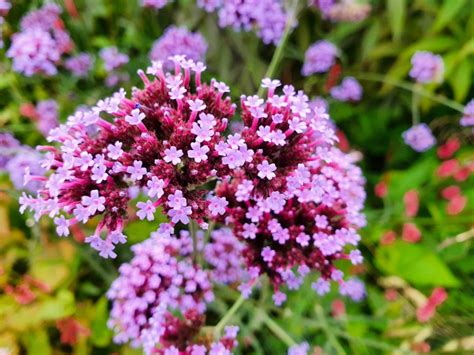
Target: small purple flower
{"x":266,"y":170}
{"x":155,"y":4}
{"x":419,"y":137}
{"x":94,"y":202}
{"x":62,"y":226}
{"x":299,"y":349}
{"x":173,"y":155}
{"x":47,"y":116}
{"x":25,"y":162}
{"x":198,"y":152}
{"x":9,"y":147}
{"x":349,"y":90}
{"x":319,"y":58}
{"x":146,"y":210}
{"x":353,"y":288}
{"x":427,"y":67}
{"x":217,"y":205}
{"x":178,"y":41}
{"x":79,"y":65}
{"x":112,"y":58}
{"x":468,"y":117}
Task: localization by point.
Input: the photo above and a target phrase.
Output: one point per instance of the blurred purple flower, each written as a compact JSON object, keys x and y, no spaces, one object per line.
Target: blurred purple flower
{"x":155,"y":4}
{"x":112,"y":58}
{"x":24,"y":162}
{"x":427,"y":67}
{"x":319,"y":58}
{"x":41,"y":42}
{"x":419,"y":137}
{"x":79,"y":65}
{"x":9,"y":146}
{"x":348,"y":90}
{"x":179,"y":41}
{"x":468,"y":117}
{"x":47,"y":116}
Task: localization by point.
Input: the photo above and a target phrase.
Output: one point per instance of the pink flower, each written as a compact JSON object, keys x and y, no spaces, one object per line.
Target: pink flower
{"x":266,"y":170}
{"x":94,"y":202}
{"x":173,"y":155}
{"x":147,"y":210}
{"x":198,"y":152}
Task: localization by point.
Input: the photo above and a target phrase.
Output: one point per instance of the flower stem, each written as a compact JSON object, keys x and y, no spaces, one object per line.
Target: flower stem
{"x":412,"y":88}
{"x":278,"y":55}
{"x":329,"y":333}
{"x":193,"y":231}
{"x":232,"y":310}
{"x":415,"y":112}
{"x":277,"y":330}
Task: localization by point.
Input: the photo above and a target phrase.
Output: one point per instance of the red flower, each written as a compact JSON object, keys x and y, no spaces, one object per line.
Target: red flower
{"x":449,"y":148}
{"x":381,"y":189}
{"x":71,"y":330}
{"x":456,"y":205}
{"x":448,"y":168}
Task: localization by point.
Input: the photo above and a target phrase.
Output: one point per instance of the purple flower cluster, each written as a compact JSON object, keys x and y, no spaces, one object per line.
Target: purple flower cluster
{"x":79,"y":65}
{"x":343,"y":10}
{"x":113,"y":60}
{"x":427,"y":67}
{"x":319,"y":58}
{"x":47,"y":115}
{"x":178,"y":41}
{"x":348,"y":90}
{"x":419,"y":137}
{"x":224,"y":254}
{"x":9,"y":147}
{"x":468,"y":115}
{"x":41,"y":43}
{"x":15,"y":158}
{"x":305,"y":226}
{"x":155,"y":4}
{"x":160,"y":279}
{"x":299,"y":349}
{"x":162,"y":141}
{"x":267,"y":17}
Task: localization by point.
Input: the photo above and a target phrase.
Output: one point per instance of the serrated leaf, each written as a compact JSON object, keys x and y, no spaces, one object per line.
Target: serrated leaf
{"x":448,"y":11}
{"x":415,"y":264}
{"x":396,"y":15}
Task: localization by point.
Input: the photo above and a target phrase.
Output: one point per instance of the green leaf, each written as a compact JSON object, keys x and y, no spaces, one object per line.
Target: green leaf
{"x":396,"y":16}
{"x":460,"y":80}
{"x":415,"y":264}
{"x":448,"y":11}
{"x":37,"y":342}
{"x":101,"y":334}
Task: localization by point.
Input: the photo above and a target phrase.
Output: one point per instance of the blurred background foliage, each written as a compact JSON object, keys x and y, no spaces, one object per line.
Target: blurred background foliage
{"x":52,"y":290}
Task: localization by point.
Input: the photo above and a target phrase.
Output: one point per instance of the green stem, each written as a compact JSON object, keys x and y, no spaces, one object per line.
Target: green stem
{"x":276,"y":329}
{"x":278,"y":55}
{"x":232,"y":310}
{"x":106,"y":275}
{"x":329,"y":333}
{"x":193,"y":231}
{"x":412,"y":88}
{"x":415,"y":112}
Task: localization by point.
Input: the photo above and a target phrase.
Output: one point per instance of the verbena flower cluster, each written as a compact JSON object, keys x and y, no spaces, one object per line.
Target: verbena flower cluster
{"x":15,"y":158}
{"x":47,"y":116}
{"x":419,"y":137}
{"x":348,"y":90}
{"x":319,"y":58}
{"x":427,"y":67}
{"x":155,"y":4}
{"x":38,"y":48}
{"x":160,"y":300}
{"x":79,"y":65}
{"x":306,"y":226}
{"x":163,"y":140}
{"x":113,"y":60}
{"x":343,"y":10}
{"x":178,"y":41}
